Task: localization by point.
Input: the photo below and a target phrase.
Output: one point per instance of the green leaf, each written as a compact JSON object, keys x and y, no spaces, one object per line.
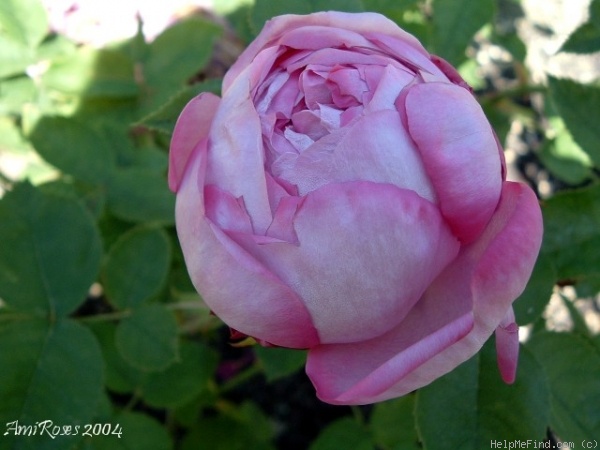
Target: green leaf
{"x":572,"y":365}
{"x":181,"y":51}
{"x":572,"y":237}
{"x":223,"y":433}
{"x":137,"y":431}
{"x":74,"y":147}
{"x":564,"y":158}
{"x":264,"y":10}
{"x":280,"y":362}
{"x":337,"y":5}
{"x":184,"y":379}
{"x":96,"y":73}
{"x":393,"y":424}
{"x":164,"y":118}
{"x":11,"y":139}
{"x":393,"y":9}
{"x":176,"y":56}
{"x":14,"y":57}
{"x":120,"y":376}
{"x":91,"y":196}
{"x":343,"y":433}
{"x":586,"y":39}
{"x":148,"y":338}
{"x":471,"y":406}
{"x":574,"y":101}
{"x":136,"y":266}
{"x":141,"y":195}
{"x":24,"y":21}
{"x":15,"y":93}
{"x":50,"y":252}
{"x":49,"y":372}
{"x":454,"y":25}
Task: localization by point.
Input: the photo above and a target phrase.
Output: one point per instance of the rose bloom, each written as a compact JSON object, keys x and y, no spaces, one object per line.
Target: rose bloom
{"x":347,"y":195}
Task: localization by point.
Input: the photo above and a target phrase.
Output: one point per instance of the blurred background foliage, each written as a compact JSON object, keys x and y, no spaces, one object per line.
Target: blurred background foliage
{"x":99,"y":322}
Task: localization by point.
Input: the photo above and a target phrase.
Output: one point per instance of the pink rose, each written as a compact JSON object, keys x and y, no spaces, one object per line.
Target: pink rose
{"x":347,"y":195}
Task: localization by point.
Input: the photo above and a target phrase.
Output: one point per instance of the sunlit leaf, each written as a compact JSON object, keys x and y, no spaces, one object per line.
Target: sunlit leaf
{"x":574,"y":102}
{"x":24,"y":21}
{"x":74,"y":147}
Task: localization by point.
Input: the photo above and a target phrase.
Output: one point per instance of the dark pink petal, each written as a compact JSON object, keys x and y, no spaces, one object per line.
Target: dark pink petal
{"x":450,"y":72}
{"x":507,"y":347}
{"x":485,"y":279}
{"x":365,"y":254}
{"x":390,"y":357}
{"x":460,"y":153}
{"x":191,"y":128}
{"x":238,"y":288}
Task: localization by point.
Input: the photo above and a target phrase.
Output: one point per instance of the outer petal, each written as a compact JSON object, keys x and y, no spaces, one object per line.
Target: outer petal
{"x":366,"y":252}
{"x":240,"y":290}
{"x":460,"y":154}
{"x":192,"y":127}
{"x":491,"y":273}
{"x":236,"y":157}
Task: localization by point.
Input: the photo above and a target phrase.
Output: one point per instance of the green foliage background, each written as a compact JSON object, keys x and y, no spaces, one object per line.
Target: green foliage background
{"x":99,"y":322}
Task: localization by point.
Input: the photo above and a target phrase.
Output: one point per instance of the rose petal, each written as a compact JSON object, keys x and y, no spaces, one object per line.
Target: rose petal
{"x":315,"y":37}
{"x":492,"y":271}
{"x":239,"y":289}
{"x":191,"y":128}
{"x":236,"y":154}
{"x":460,"y":154}
{"x":507,"y":347}
{"x":389,"y":86}
{"x":275,"y":28}
{"x":357,"y":153}
{"x":366,"y":253}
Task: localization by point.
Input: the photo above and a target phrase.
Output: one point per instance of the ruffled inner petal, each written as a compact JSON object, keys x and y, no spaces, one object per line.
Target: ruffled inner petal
{"x":356,"y":153}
